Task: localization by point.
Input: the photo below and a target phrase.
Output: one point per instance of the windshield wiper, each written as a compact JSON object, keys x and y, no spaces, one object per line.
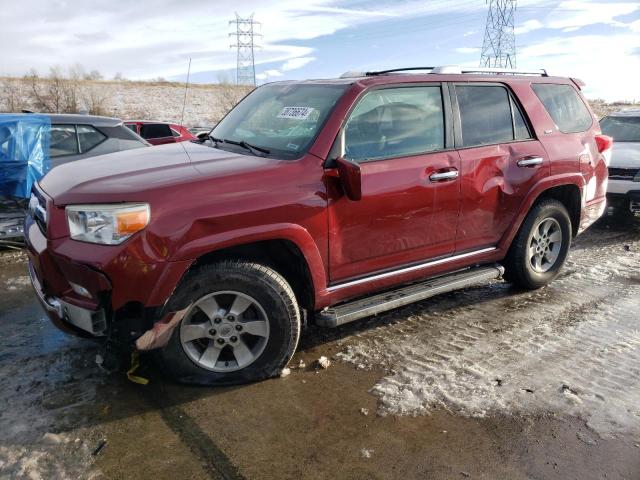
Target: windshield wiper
{"x":242,"y":143}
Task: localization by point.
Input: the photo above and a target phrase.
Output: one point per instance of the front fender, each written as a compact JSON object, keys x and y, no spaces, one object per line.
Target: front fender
{"x":294,"y":233}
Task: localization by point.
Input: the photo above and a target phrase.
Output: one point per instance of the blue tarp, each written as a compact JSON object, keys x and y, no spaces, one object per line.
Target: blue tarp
{"x":24,"y":152}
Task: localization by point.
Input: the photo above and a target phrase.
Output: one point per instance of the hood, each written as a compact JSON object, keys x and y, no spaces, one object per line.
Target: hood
{"x":625,"y":155}
{"x":130,"y":175}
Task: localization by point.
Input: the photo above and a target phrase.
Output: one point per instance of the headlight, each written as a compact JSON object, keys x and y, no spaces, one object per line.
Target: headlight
{"x":107,"y":224}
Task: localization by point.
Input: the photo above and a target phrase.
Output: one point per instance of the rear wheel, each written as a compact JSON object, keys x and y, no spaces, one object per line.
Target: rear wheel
{"x":242,"y":325}
{"x":540,"y":247}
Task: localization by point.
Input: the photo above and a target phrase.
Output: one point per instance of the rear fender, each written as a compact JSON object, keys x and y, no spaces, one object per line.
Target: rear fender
{"x":543,"y":185}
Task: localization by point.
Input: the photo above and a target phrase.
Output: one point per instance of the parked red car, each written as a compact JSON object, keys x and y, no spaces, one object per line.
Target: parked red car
{"x":318,"y":201}
{"x":160,"y":133}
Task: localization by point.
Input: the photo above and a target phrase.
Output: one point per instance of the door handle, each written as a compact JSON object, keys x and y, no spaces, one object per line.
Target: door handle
{"x":530,"y":162}
{"x":444,"y":176}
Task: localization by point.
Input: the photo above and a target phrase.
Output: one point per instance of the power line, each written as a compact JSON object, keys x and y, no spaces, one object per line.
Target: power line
{"x":245,"y":43}
{"x":499,"y":45}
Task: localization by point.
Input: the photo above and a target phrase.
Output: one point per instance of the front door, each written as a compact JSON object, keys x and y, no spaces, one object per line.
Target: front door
{"x":410,"y":187}
{"x":500,"y":162}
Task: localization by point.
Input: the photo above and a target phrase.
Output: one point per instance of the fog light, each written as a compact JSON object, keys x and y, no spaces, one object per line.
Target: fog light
{"x":80,"y":290}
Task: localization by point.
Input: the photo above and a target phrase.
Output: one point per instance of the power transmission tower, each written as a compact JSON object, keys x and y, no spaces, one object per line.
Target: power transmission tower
{"x":245,"y":43}
{"x":499,"y":46}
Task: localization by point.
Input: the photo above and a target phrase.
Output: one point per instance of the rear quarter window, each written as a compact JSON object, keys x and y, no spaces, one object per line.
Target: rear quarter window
{"x":565,"y":107}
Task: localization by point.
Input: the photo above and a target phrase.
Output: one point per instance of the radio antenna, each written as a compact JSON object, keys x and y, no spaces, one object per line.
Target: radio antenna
{"x":186,"y":88}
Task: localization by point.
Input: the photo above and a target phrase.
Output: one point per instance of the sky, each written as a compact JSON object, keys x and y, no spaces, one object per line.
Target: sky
{"x":596,"y":41}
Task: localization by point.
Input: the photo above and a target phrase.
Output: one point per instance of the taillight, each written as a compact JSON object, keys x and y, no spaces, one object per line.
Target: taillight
{"x":604,"y":142}
{"x":605,"y":145}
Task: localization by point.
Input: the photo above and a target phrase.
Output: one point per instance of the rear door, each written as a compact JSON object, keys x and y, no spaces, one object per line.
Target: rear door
{"x":157,"y":133}
{"x":409,"y":177}
{"x":500,"y":161}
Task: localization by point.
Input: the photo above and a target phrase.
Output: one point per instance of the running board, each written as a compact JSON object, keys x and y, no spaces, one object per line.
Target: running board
{"x":372,"y":305}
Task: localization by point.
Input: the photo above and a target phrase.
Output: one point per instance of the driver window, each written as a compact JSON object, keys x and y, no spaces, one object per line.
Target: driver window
{"x":395,"y":122}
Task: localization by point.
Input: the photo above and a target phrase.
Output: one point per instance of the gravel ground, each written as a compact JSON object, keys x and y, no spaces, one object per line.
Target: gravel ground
{"x":488,"y":382}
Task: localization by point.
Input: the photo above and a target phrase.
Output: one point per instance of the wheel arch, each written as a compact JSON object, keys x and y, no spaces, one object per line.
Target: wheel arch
{"x":566,"y":189}
{"x":282,"y":255}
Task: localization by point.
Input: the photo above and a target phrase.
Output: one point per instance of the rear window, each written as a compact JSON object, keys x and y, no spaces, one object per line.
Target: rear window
{"x":489,"y":115}
{"x":565,"y":106}
{"x":155,"y":130}
{"x":622,"y":129}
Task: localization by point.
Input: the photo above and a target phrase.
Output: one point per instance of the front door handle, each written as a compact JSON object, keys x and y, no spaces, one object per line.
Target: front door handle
{"x":444,"y":176}
{"x":529,"y":162}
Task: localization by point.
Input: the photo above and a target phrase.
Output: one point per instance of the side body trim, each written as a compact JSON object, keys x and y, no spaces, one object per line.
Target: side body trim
{"x":412,"y":268}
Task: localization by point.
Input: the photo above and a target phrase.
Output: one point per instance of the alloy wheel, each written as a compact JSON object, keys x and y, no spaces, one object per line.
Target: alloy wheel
{"x":224,"y":331}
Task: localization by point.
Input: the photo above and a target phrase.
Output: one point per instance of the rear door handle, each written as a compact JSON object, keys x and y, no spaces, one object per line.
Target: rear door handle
{"x":444,"y":176}
{"x":530,"y":162}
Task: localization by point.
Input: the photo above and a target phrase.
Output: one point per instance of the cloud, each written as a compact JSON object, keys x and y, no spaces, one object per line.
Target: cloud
{"x":466,"y":50}
{"x":607,"y":63}
{"x":576,"y":14}
{"x":469,"y":33}
{"x":268,"y":74}
{"x":296,"y":63}
{"x":572,"y":15}
{"x":528,"y":26}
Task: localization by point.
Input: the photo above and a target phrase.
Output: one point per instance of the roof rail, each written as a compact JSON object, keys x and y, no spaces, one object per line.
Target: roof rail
{"x":394,"y":70}
{"x":507,"y":71}
{"x":457,"y":69}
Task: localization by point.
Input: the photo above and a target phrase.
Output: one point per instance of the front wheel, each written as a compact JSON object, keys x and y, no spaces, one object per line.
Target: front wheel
{"x":242,"y":325}
{"x":540,"y":247}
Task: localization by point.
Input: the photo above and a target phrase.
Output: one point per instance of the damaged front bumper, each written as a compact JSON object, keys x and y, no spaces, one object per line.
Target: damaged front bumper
{"x":63,"y":314}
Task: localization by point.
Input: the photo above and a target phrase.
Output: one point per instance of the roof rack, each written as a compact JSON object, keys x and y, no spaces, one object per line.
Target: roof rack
{"x":454,"y":69}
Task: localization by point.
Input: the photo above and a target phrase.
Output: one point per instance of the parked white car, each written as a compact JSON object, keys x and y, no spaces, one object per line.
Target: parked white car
{"x":624,"y":170}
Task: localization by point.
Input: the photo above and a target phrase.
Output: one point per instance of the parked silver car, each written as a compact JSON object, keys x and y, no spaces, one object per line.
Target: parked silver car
{"x":623,"y":192}
{"x":80,"y":136}
{"x":24,"y":156}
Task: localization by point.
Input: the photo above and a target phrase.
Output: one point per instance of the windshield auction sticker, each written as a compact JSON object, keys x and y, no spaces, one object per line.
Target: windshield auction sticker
{"x":297,"y":113}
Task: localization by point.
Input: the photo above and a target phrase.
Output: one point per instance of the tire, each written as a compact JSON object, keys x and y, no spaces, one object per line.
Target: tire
{"x":527,"y":265}
{"x":267,"y":329}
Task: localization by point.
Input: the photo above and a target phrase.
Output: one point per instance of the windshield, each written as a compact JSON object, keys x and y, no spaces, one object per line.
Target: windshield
{"x":622,"y":129}
{"x":283,"y":119}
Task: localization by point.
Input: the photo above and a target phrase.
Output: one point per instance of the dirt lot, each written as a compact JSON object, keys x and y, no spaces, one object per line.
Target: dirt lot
{"x":485,"y":383}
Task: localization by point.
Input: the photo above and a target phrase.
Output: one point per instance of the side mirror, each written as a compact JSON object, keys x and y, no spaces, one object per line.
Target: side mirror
{"x":350,"y":178}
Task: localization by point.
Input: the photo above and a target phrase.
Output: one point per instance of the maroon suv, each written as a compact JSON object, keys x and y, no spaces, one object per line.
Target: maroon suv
{"x":317,"y":201}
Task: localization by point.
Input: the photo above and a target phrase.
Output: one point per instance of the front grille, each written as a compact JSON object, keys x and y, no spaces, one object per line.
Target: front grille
{"x":38,"y":209}
{"x":623,"y":173}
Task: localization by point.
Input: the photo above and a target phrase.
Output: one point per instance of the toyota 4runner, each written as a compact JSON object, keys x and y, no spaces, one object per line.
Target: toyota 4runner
{"x":317,"y":201}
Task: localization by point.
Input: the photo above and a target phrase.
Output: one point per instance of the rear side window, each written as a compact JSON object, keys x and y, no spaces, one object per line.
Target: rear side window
{"x":89,"y":137}
{"x":395,"y":122}
{"x":565,"y":106}
{"x":63,"y":140}
{"x":132,"y":127}
{"x":155,"y":130}
{"x":489,"y":115}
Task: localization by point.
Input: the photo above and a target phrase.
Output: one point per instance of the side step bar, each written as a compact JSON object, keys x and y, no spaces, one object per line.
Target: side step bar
{"x":381,"y":302}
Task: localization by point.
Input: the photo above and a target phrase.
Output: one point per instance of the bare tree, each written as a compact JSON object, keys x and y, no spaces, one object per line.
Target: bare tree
{"x":11,"y":98}
{"x":95,"y":100}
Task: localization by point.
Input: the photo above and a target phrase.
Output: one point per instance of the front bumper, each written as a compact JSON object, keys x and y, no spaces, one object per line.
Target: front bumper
{"x":67,"y":316}
{"x":629,"y":200}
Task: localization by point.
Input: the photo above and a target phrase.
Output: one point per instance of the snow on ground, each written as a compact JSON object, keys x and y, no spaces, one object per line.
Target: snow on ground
{"x":570,"y":348}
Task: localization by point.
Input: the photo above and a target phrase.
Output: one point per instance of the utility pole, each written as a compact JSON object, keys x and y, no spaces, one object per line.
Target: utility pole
{"x":245,"y":44}
{"x":499,"y":46}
